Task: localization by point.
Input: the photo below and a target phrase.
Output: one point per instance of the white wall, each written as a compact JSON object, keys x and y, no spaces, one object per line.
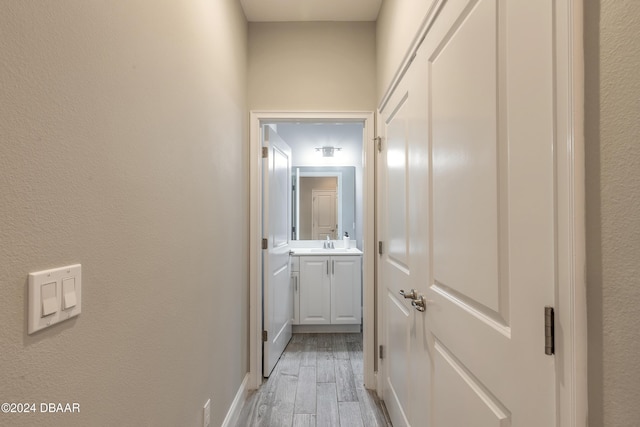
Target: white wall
{"x":313,"y":66}
{"x":612,"y":134}
{"x":123,"y":148}
{"x":397,"y":25}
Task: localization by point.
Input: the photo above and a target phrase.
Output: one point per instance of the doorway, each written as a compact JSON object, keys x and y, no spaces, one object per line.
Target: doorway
{"x":364,"y":230}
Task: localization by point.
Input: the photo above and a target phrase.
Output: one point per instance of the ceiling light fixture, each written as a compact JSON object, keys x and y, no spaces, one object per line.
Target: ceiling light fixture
{"x":328,"y":151}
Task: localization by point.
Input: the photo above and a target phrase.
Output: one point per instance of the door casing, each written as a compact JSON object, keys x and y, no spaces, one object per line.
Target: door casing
{"x":255,"y":233}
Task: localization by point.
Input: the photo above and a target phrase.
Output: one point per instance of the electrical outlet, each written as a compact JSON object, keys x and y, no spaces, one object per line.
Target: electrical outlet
{"x":206,"y":419}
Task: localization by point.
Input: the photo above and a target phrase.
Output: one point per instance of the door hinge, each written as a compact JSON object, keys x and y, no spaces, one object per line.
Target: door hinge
{"x":264,"y":336}
{"x":380,"y":248}
{"x":378,"y":141}
{"x":549,"y":331}
{"x":265,"y":152}
{"x":265,"y":243}
{"x":381,"y":352}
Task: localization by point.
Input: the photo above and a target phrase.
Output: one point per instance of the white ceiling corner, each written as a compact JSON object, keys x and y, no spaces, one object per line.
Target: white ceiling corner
{"x":310,"y":10}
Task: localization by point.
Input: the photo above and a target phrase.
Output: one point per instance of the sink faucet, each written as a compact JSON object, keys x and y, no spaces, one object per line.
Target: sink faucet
{"x":328,"y":244}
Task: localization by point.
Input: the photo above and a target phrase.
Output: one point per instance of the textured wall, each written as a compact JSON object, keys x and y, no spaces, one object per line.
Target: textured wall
{"x":612,"y":132}
{"x":314,"y":66}
{"x":123,"y":148}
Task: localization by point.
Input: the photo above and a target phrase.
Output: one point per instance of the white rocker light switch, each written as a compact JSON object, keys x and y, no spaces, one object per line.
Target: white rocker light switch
{"x":49,"y":299}
{"x":68,"y":293}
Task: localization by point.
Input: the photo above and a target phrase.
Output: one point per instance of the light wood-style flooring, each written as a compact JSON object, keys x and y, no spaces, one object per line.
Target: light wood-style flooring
{"x":318,"y":381}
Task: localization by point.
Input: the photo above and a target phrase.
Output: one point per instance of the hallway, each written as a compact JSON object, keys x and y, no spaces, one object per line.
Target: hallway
{"x":317,"y":382}
{"x":501,"y":142}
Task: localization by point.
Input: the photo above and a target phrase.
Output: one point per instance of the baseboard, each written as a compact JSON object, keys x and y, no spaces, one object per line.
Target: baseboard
{"x":301,"y":329}
{"x":236,"y":406}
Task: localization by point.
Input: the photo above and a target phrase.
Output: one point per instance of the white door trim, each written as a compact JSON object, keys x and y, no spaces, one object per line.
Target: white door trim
{"x":255,"y":234}
{"x":571,"y":298}
{"x":571,"y":305}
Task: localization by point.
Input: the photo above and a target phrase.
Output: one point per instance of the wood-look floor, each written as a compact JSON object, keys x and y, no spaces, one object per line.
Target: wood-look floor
{"x":318,"y":381}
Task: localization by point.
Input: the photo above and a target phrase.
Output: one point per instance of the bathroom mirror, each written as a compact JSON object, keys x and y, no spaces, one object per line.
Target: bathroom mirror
{"x":326,"y":163}
{"x":323,"y":202}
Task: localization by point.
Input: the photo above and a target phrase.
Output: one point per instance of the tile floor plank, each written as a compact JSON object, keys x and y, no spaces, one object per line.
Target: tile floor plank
{"x":357,"y":338}
{"x":345,"y":383}
{"x":283,"y":402}
{"x":306,"y":392}
{"x":309,"y":350}
{"x":327,"y":415}
{"x":350,"y":414}
{"x":304,"y":420}
{"x":324,"y":341}
{"x":340,"y":347}
{"x":289,"y":363}
{"x":326,"y":369}
{"x":260,"y":402}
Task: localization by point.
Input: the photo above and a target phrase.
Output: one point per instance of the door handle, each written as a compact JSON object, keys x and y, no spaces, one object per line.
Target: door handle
{"x":327,"y":267}
{"x":333,"y":267}
{"x":409,"y":295}
{"x":419,"y":303}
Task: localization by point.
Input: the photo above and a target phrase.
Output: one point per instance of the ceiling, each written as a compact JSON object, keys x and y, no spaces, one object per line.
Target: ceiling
{"x":310,"y":10}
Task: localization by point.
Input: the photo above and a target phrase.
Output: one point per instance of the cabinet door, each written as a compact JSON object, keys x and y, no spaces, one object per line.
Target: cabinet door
{"x":315,"y":290}
{"x":346,"y":290}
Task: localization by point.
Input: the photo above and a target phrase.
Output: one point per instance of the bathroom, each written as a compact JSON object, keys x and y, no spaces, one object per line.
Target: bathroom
{"x":324,"y":223}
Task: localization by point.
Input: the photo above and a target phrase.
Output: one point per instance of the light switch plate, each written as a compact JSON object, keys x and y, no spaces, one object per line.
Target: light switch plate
{"x":37,"y":320}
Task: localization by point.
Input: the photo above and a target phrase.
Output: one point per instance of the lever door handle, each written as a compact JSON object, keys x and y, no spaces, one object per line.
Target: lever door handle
{"x":409,"y":295}
{"x":419,"y":303}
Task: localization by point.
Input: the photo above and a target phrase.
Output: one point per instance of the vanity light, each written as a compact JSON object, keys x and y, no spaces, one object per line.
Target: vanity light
{"x":328,"y":151}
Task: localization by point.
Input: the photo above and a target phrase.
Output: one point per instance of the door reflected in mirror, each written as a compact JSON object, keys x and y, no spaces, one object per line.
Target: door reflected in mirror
{"x":321,"y":195}
{"x":324,"y":202}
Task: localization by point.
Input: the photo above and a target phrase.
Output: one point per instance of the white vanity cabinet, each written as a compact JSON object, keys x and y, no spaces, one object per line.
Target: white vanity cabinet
{"x":329,"y":290}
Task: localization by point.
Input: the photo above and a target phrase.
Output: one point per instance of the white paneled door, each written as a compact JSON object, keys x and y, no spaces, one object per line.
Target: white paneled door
{"x":276,"y":216}
{"x":467,"y":220}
